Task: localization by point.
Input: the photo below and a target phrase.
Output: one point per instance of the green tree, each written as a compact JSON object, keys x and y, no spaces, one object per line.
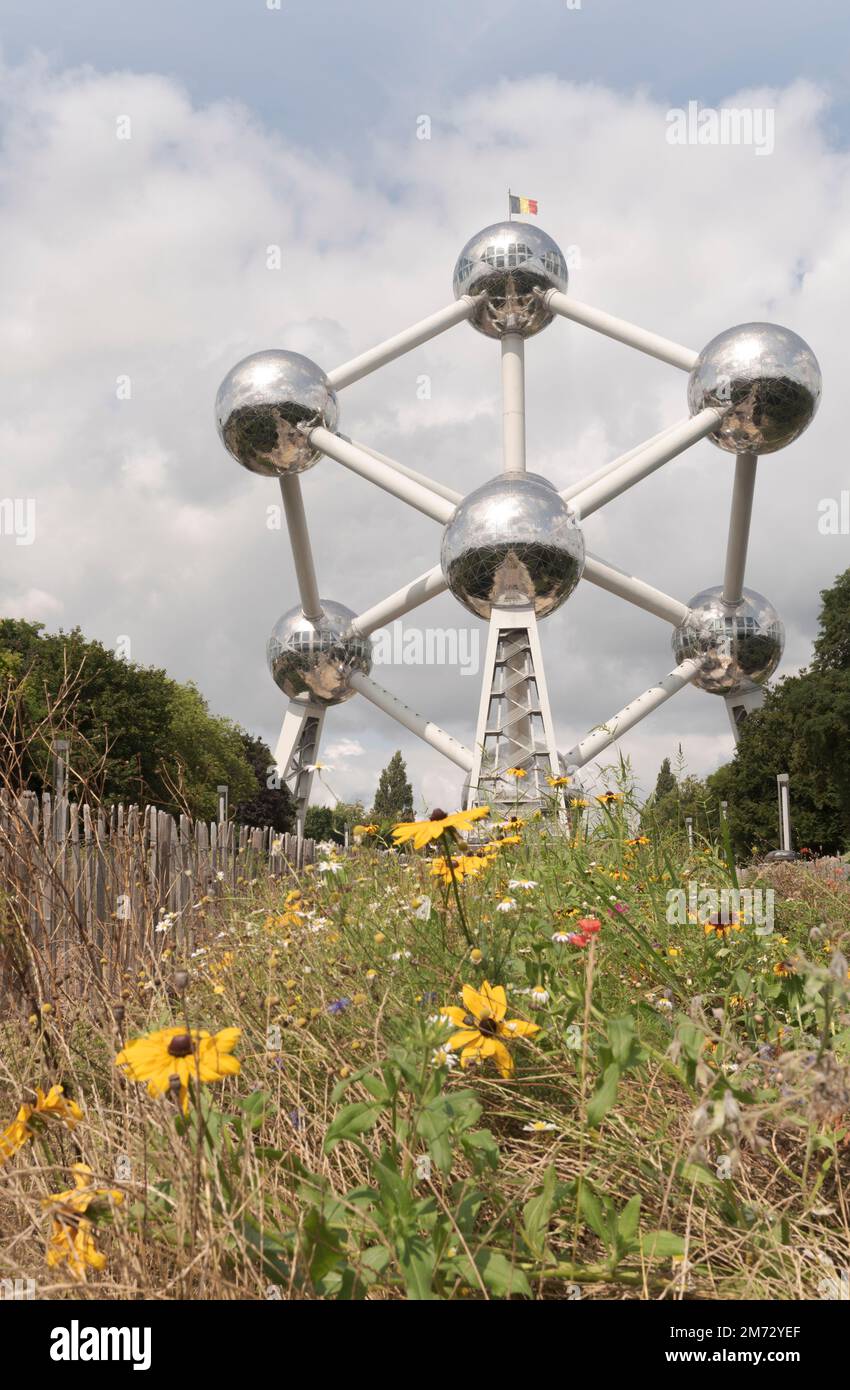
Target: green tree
{"x":665,"y":782}
{"x":269,"y":805}
{"x":134,"y":734}
{"x":394,"y":797}
{"x":319,"y":824}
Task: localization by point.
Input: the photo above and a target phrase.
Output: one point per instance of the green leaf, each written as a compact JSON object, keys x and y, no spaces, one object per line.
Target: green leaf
{"x":591,"y":1209}
{"x":417,"y":1262}
{"x":604,"y":1096}
{"x":661,"y":1245}
{"x":628,"y":1222}
{"x":537,"y":1213}
{"x":621,"y":1033}
{"x":352,"y":1120}
{"x":499,"y":1275}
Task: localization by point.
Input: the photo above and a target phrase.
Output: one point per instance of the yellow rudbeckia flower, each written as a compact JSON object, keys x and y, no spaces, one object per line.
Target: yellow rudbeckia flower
{"x":176,"y":1052}
{"x":422,"y":832}
{"x":71,"y":1237}
{"x":482,"y":1026}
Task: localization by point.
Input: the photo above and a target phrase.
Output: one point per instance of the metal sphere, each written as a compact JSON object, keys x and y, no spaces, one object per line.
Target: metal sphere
{"x":266,"y":406}
{"x":505,"y":264}
{"x":768,"y":376}
{"x":512,"y":542}
{"x":317,"y":659}
{"x":737,"y":645}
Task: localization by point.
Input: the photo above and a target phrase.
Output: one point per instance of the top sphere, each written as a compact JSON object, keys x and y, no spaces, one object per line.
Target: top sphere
{"x":504,"y":265}
{"x":511,"y":543}
{"x":765,"y":378}
{"x":266,"y":407}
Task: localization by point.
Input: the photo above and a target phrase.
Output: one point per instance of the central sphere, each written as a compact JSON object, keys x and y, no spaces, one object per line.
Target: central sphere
{"x":504,"y":265}
{"x":316,"y":659}
{"x":511,"y":543}
{"x":737,"y":645}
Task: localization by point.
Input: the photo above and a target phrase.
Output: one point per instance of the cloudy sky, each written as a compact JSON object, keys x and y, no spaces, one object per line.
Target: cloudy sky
{"x":135,"y":272}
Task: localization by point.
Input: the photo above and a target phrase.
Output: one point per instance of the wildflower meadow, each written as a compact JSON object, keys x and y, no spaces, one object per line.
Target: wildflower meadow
{"x":565,"y":1057}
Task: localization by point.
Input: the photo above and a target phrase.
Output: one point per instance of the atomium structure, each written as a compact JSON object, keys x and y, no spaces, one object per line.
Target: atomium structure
{"x":513,"y":549}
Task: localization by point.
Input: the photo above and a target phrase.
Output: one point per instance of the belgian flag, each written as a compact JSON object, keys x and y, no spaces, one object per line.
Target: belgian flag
{"x":523,"y":205}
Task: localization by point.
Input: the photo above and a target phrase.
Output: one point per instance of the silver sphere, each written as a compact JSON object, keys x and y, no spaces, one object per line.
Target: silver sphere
{"x":317,"y":659}
{"x":265,"y":408}
{"x":512,"y":542}
{"x":737,"y":645}
{"x":505,"y":264}
{"x":768,"y":376}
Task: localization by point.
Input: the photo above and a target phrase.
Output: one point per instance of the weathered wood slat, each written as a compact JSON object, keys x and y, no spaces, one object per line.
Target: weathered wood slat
{"x":88,"y":886}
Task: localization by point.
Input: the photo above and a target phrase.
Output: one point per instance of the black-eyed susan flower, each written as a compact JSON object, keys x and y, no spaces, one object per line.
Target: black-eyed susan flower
{"x":558,"y":781}
{"x":182,"y":1054}
{"x":783,"y":968}
{"x":50,"y":1105}
{"x":609,"y":798}
{"x":482,"y":1027}
{"x":458,"y":867}
{"x":71,"y":1238}
{"x":422,"y":832}
{"x":515,"y":772}
{"x":360,"y":830}
{"x":15,"y":1135}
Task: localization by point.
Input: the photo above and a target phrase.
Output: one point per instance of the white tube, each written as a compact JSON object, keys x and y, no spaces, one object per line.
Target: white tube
{"x":402,"y":342}
{"x":440,"y":488}
{"x":784,"y":788}
{"x":739,"y":527}
{"x":605,"y":734}
{"x":513,"y":402}
{"x":299,"y":538}
{"x":416,"y":723}
{"x":410,"y":596}
{"x":624,"y":332}
{"x":633,"y":590}
{"x":407,"y":489}
{"x":574,"y":488}
{"x":673,"y":443}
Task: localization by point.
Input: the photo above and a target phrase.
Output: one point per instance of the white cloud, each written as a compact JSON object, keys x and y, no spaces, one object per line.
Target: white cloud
{"x":146,"y":259}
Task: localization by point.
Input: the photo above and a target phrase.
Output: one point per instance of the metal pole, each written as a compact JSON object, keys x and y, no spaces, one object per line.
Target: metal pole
{"x":513,"y":402}
{"x":410,"y":596}
{"x":422,"y":498}
{"x":634,"y":591}
{"x":628,"y":333}
{"x":299,"y":539}
{"x":784,"y":789}
{"x":689,"y":827}
{"x":739,"y":527}
{"x":416,"y":723}
{"x":403,"y":342}
{"x":222,"y":803}
{"x":605,"y":734}
{"x":582,"y":483}
{"x":441,"y":489}
{"x":675,"y":442}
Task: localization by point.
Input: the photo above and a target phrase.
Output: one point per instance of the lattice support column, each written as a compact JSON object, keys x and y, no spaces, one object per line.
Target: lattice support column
{"x":297,"y":751}
{"x":514,"y":720}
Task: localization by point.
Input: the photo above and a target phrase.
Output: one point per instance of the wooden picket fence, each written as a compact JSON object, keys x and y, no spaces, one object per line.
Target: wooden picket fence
{"x":83,"y":891}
